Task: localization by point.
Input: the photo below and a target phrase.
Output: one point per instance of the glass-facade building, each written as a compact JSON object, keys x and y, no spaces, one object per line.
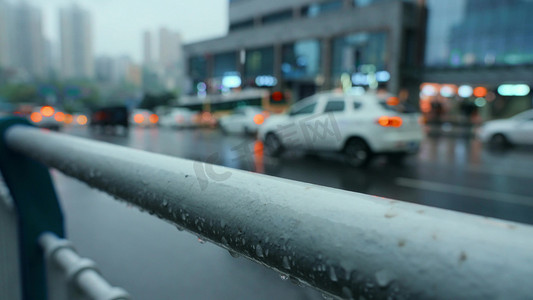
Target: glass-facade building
{"x":462,"y":33}
{"x":477,"y":45}
{"x":351,"y":52}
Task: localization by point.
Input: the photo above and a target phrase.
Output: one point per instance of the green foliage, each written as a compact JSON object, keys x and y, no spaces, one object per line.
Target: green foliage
{"x":20,"y":93}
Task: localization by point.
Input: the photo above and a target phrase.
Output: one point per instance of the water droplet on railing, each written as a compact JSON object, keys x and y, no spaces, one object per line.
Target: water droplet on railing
{"x":202,"y":241}
{"x":283,"y":277}
{"x":384,"y":278}
{"x":286,"y":263}
{"x":179,"y":228}
{"x":164,"y":204}
{"x":259,"y":251}
{"x":224,"y":241}
{"x":332,"y":274}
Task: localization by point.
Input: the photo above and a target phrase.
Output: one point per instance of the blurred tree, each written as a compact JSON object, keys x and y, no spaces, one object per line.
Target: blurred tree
{"x":20,"y":93}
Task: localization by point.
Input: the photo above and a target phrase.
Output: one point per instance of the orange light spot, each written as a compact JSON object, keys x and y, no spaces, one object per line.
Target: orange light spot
{"x":393,"y":101}
{"x":277,"y":96}
{"x":480,"y":91}
{"x":59,"y":116}
{"x":259,"y":119}
{"x":153,"y":118}
{"x":390,"y":121}
{"x":47,"y":111}
{"x":36,"y":117}
{"x":383,"y":121}
{"x":138,"y":118}
{"x":69,"y":118}
{"x":396,"y":121}
{"x":81,"y":119}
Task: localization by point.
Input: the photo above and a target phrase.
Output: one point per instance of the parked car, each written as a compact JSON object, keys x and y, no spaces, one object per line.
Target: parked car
{"x":517,"y":130}
{"x":358,"y":126}
{"x":143,"y":117}
{"x":244,"y":120}
{"x":177,"y":118}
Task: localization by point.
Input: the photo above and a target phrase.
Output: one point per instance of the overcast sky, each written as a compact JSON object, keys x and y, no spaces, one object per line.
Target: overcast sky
{"x":118,"y":24}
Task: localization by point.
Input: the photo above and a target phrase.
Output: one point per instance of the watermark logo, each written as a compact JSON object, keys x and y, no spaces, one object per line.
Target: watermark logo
{"x":303,"y":133}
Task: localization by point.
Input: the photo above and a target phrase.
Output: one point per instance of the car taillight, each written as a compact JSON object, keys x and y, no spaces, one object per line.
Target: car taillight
{"x":69,"y":118}
{"x":59,"y":116}
{"x":138,"y":118}
{"x":153,"y":118}
{"x":390,"y":121}
{"x":259,"y":119}
{"x":47,"y":111}
{"x":81,"y":119}
{"x":36,"y":117}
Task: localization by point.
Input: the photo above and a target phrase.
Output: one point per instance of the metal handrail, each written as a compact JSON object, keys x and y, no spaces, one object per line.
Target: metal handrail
{"x":346,"y":244}
{"x":81,"y":273}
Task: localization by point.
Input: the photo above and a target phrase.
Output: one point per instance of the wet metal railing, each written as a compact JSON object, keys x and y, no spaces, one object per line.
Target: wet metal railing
{"x":75,"y":277}
{"x":345,"y":244}
{"x":9,"y":249}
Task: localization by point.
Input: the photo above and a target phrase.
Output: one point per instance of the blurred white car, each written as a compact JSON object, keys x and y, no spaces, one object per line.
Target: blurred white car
{"x":359,"y":126}
{"x":515,"y":130}
{"x":177,"y":118}
{"x":246,"y":120}
{"x":143,"y":117}
{"x":47,"y":117}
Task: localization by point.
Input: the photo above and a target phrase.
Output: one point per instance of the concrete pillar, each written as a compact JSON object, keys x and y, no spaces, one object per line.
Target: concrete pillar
{"x":326,"y":55}
{"x":395,"y":47}
{"x":278,"y":52}
{"x":210,"y":64}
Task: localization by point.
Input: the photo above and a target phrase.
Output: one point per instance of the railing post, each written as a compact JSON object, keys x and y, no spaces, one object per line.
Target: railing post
{"x":37,"y":207}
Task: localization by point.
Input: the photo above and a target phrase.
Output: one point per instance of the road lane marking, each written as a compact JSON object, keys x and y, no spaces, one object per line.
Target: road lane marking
{"x":464,"y":191}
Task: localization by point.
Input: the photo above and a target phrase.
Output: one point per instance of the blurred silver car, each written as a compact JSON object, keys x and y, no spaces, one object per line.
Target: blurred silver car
{"x":517,"y":130}
{"x":177,"y":118}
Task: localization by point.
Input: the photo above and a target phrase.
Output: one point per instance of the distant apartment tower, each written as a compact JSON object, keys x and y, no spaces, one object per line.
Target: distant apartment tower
{"x":170,"y":47}
{"x":148,"y":59}
{"x":171,"y":59}
{"x":5,"y":20}
{"x":22,"y":45}
{"x":76,"y":43}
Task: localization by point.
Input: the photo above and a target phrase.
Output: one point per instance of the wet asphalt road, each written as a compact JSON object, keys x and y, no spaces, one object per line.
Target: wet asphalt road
{"x":153,"y":260}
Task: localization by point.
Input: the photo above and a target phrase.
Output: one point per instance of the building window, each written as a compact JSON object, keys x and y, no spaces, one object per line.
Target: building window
{"x":277,"y":17}
{"x":259,"y":62}
{"x":321,"y":8}
{"x":198,"y":67}
{"x":224,"y":63}
{"x":356,"y":52}
{"x":241,"y":25}
{"x":301,"y":59}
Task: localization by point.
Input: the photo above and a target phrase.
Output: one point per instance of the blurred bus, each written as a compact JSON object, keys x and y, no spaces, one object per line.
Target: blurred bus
{"x":211,"y":108}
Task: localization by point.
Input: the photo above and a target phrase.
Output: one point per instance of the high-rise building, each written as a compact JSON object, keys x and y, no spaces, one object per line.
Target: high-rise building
{"x":76,"y":43}
{"x":5,"y":20}
{"x":22,"y":44}
{"x":148,"y":45}
{"x":170,"y":59}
